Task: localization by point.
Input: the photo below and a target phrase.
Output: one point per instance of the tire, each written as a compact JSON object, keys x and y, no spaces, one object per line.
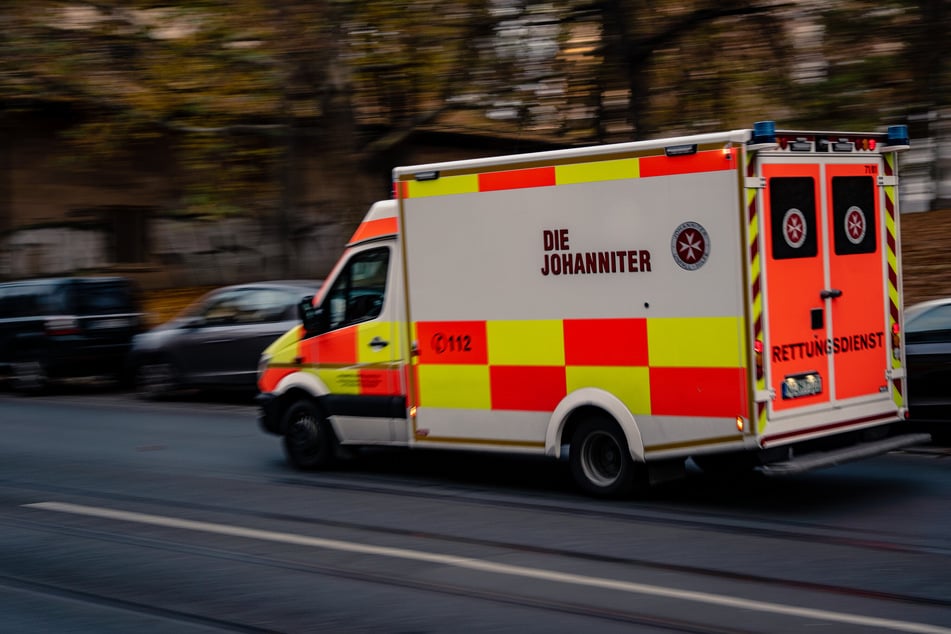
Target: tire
{"x":155,"y":380}
{"x":600,"y":461}
{"x":29,"y":377}
{"x":308,"y":438}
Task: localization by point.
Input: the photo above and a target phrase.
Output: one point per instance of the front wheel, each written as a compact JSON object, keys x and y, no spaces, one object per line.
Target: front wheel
{"x":600,"y":461}
{"x":308,"y":439}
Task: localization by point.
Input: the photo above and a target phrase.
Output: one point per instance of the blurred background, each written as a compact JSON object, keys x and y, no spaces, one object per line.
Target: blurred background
{"x":193,"y":144}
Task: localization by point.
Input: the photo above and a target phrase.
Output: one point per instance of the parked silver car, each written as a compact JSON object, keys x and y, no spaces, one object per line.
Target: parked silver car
{"x":217,"y":341}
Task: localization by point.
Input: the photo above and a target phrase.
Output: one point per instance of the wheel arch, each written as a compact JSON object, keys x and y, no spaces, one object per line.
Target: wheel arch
{"x":299,"y":385}
{"x":580,"y":405}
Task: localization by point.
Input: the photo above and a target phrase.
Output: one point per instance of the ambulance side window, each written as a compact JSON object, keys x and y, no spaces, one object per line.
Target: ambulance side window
{"x":792,"y":205}
{"x":358,"y":292}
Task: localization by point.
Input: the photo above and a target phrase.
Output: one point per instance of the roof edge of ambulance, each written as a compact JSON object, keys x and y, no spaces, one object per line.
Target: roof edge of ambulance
{"x":379,"y":222}
{"x":731,"y":136}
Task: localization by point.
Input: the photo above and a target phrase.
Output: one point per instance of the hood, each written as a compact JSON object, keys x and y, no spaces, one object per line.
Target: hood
{"x":284,"y":348}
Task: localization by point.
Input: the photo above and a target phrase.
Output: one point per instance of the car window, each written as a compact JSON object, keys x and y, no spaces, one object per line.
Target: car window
{"x":102,"y":297}
{"x":221,"y":309}
{"x":933,"y":324}
{"x":35,"y":299}
{"x":357,"y":294}
{"x":265,"y":305}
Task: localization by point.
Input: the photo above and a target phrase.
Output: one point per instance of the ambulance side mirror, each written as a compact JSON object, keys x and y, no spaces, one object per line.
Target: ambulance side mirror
{"x":312,"y":317}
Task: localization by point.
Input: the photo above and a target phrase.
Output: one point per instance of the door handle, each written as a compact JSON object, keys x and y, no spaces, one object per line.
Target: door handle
{"x":376,"y":342}
{"x":832,"y":293}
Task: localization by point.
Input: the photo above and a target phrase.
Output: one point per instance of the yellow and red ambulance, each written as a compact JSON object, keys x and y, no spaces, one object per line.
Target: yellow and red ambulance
{"x":734,"y":298}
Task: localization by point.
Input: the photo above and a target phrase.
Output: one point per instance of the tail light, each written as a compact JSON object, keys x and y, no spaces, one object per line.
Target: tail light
{"x":896,"y":340}
{"x":61,"y":326}
{"x":758,"y":355}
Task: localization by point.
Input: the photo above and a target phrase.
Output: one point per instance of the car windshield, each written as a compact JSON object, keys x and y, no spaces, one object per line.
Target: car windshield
{"x":928,"y":318}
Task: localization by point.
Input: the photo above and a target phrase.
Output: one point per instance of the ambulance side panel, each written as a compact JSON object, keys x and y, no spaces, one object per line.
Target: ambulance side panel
{"x":526,"y":286}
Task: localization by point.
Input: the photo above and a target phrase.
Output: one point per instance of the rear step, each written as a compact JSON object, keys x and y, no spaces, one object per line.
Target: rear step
{"x":819,"y":459}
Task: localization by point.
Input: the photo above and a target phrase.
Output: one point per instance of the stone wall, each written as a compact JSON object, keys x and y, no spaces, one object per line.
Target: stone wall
{"x":184,"y":252}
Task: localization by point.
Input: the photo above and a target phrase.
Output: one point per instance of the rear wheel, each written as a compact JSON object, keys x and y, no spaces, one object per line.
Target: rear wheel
{"x":308,"y":438}
{"x":600,"y":461}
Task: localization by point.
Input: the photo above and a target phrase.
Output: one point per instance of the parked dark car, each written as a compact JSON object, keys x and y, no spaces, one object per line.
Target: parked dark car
{"x":66,"y":327}
{"x":216,"y":342}
{"x":928,"y":354}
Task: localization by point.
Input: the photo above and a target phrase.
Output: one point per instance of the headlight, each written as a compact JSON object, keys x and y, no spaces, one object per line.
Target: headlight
{"x":263,"y":363}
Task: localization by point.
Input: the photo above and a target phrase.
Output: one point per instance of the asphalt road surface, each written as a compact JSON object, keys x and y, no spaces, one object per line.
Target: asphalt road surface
{"x":118,"y":515}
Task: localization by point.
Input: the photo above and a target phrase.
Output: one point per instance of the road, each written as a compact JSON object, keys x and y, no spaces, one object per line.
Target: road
{"x":118,"y":515}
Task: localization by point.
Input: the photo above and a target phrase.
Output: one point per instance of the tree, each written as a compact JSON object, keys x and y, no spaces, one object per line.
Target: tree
{"x":883,"y":59}
{"x":234,"y":85}
{"x":683,"y":66}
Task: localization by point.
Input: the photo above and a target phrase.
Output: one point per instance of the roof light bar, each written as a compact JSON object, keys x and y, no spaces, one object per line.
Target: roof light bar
{"x":843,"y":145}
{"x":801,"y":144}
{"x":898,"y":135}
{"x":764,"y":132}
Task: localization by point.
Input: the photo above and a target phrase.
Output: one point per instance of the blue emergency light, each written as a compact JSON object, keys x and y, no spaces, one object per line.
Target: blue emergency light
{"x":898,"y":135}
{"x":764,"y":132}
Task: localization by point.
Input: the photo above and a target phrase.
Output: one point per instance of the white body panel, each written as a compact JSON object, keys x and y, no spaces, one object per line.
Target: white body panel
{"x":483,"y":252}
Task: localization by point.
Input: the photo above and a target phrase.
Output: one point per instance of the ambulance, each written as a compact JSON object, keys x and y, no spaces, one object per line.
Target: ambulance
{"x":731,"y":298}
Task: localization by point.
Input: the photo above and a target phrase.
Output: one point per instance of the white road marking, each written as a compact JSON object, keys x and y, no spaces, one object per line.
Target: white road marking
{"x":496,"y":568}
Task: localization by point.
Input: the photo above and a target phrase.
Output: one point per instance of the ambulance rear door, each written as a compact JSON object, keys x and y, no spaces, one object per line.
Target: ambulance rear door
{"x":827,"y":352}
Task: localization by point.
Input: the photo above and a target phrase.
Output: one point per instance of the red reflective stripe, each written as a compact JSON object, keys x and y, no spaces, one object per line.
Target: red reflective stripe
{"x":527,"y":388}
{"x":516,"y":179}
{"x":374,"y":229}
{"x":707,"y":161}
{"x":338,"y":346}
{"x":606,"y":342}
{"x":452,"y":342}
{"x":698,"y":392}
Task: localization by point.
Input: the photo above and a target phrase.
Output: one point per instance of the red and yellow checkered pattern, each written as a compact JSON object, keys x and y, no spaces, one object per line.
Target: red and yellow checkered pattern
{"x":655,"y":366}
{"x":342,"y":359}
{"x":584,"y":171}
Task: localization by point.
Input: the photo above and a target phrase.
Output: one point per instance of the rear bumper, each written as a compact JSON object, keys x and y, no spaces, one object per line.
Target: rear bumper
{"x":86,"y":358}
{"x":818,"y":459}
